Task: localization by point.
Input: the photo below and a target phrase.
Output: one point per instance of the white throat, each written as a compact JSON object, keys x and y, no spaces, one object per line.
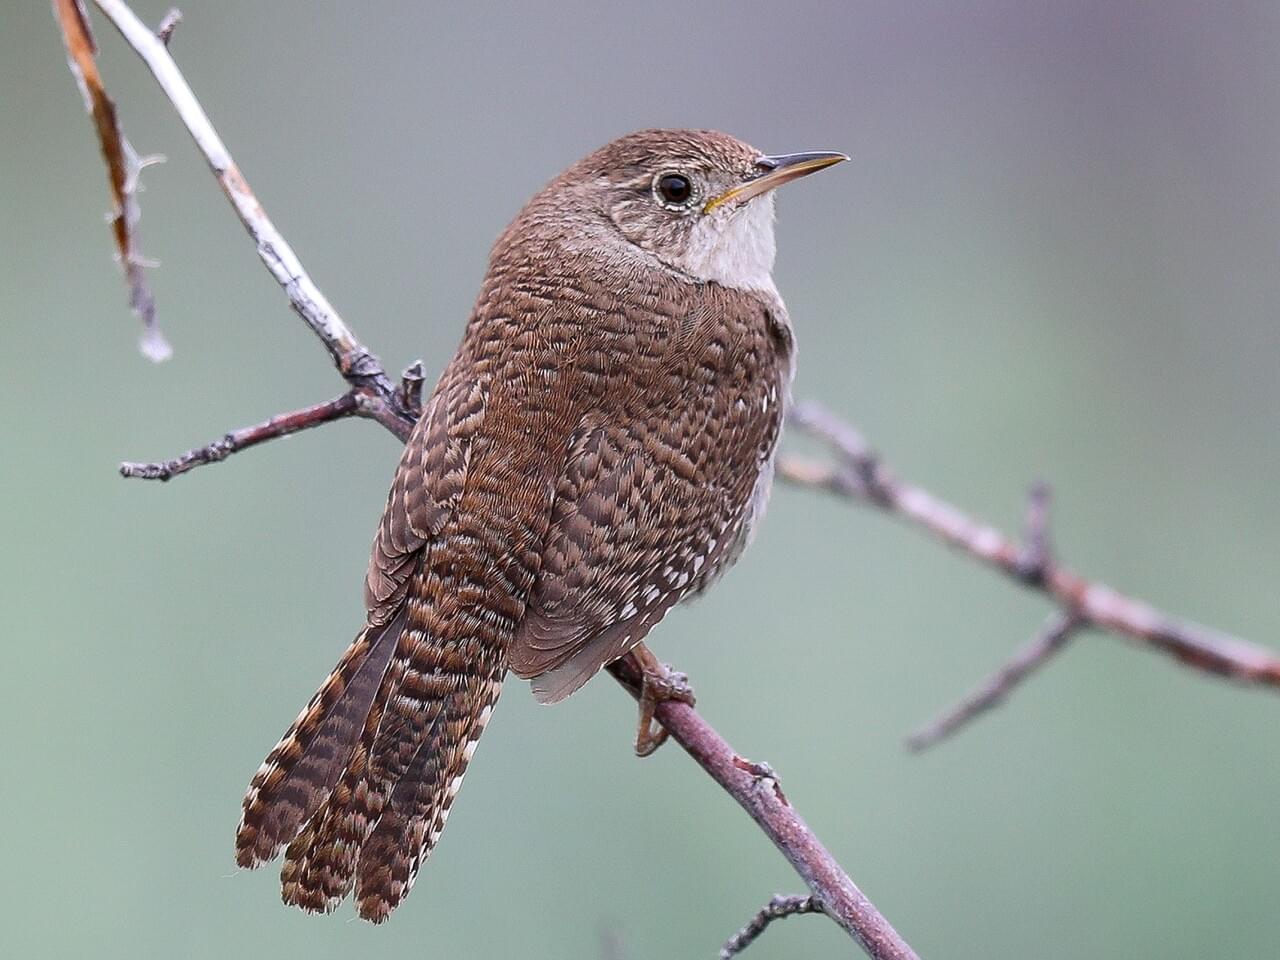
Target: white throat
{"x":736,"y":248}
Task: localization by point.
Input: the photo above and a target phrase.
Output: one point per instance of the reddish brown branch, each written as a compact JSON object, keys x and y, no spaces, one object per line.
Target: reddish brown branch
{"x":859,"y":475}
{"x":1051,"y":639}
{"x":776,"y":909}
{"x":755,"y":789}
{"x":364,"y":401}
{"x":280,"y":425}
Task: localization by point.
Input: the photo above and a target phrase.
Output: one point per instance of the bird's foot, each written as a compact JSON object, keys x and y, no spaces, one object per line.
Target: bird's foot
{"x":660,"y":683}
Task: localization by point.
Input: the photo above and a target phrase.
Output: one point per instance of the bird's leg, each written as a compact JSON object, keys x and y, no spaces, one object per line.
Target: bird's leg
{"x":659,"y":682}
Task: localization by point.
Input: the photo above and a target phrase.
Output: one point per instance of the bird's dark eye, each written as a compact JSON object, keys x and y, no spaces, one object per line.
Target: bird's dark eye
{"x":674,"y":189}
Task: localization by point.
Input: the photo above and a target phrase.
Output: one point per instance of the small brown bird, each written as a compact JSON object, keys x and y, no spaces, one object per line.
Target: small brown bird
{"x":599,"y":448}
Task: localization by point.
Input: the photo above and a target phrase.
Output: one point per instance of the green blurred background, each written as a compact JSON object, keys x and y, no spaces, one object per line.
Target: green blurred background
{"x":1054,"y":256}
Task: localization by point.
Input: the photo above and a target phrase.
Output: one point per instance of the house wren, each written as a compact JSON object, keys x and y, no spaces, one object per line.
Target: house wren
{"x":598,"y":449}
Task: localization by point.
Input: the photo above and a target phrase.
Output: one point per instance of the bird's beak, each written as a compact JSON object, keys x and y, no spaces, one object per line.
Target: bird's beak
{"x":774,"y":172}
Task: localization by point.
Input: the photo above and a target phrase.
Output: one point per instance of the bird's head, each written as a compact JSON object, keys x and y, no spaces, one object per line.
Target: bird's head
{"x":699,"y":201}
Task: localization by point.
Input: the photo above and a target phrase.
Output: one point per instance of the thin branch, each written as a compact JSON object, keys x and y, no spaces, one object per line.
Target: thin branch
{"x":357,"y":402}
{"x":776,"y":909}
{"x":168,"y":24}
{"x":377,"y":399}
{"x":859,"y":475}
{"x":1050,"y":640}
{"x":347,"y":405}
{"x":409,"y":396}
{"x":356,"y":364}
{"x":755,"y":788}
{"x":1037,"y":549}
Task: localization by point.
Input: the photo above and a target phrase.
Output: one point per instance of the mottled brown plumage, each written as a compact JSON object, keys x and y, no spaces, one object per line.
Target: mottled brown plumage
{"x":598,"y":449}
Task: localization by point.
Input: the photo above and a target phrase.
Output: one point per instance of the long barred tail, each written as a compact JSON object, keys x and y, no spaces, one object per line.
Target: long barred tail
{"x":373,"y":817}
{"x":421,"y":800}
{"x":302,"y":769}
{"x":386,"y":814}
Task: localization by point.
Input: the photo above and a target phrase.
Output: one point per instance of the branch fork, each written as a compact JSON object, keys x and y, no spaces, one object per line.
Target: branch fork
{"x":855,"y":473}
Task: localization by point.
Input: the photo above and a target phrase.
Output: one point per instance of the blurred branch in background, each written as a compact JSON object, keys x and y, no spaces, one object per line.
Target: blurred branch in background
{"x":372,"y":395}
{"x":858,"y":474}
{"x":1051,"y":639}
{"x":124,"y":168}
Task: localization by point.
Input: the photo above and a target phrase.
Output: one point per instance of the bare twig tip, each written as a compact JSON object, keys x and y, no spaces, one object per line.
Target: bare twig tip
{"x":1037,"y":554}
{"x":409,"y":395}
{"x":168,"y":25}
{"x":778,"y":908}
{"x":154,"y":346}
{"x":1051,"y":638}
{"x":281,"y":425}
{"x":122,"y":163}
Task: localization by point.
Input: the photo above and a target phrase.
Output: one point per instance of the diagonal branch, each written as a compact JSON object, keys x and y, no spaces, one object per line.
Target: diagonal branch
{"x":356,"y":402}
{"x":859,"y":475}
{"x":755,"y":787}
{"x":353,"y":360}
{"x":281,"y":425}
{"x":1050,"y":640}
{"x":373,"y":396}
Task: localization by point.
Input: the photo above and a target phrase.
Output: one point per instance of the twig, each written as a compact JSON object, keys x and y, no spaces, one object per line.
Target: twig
{"x":754,"y":787}
{"x":776,"y":909}
{"x":281,"y":425}
{"x":169,"y":24}
{"x":124,"y":168}
{"x":377,"y":399}
{"x":355,"y":363}
{"x":410,"y":392}
{"x":1037,"y":551}
{"x":859,"y":475}
{"x":1033,"y":562}
{"x":1052,"y":637}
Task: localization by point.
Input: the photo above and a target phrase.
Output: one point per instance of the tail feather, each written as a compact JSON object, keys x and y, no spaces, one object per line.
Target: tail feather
{"x":420,"y":802}
{"x":319,"y":866}
{"x":411,"y":700}
{"x":304,"y":766}
{"x":389,"y":806}
{"x":380,"y":824}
